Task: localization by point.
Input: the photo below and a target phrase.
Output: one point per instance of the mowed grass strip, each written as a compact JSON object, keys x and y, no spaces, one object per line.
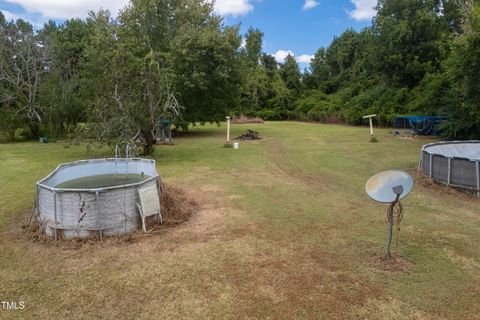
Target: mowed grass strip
{"x":285,"y":231}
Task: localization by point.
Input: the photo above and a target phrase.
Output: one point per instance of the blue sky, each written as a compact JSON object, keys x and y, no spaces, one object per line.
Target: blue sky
{"x":298,"y":26}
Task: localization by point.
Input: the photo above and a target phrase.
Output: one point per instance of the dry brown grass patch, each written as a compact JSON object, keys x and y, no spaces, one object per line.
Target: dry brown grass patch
{"x":429,"y":184}
{"x":396,"y":263}
{"x":246,"y":120}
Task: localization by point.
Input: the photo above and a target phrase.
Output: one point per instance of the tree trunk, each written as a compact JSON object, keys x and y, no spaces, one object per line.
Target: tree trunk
{"x":11,"y":134}
{"x":149,"y":142}
{"x":34,"y":129}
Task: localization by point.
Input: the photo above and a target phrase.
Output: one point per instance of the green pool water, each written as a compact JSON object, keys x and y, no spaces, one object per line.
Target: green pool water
{"x":101,"y":181}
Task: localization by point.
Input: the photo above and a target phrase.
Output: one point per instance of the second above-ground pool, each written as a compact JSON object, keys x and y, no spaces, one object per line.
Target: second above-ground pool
{"x":454,"y":163}
{"x":94,"y":197}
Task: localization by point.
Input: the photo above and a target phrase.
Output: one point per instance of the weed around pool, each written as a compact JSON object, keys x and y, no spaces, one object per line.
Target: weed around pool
{"x":177,"y":207}
{"x":425,"y":182}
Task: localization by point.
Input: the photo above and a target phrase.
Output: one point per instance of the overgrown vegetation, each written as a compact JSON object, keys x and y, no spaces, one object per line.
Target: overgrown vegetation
{"x":114,"y":79}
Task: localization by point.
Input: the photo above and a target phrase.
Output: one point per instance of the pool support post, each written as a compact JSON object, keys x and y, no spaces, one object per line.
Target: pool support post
{"x":478,"y":178}
{"x":55,"y":213}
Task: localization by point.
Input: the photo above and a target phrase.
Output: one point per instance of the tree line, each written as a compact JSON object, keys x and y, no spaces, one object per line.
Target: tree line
{"x":113,"y":81}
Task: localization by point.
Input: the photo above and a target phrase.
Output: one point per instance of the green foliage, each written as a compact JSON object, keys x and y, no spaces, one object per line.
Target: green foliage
{"x":408,"y":36}
{"x":464,"y":69}
{"x":206,"y":70}
{"x":119,"y":76}
{"x":253,"y":46}
{"x":290,"y":73}
{"x":22,"y":65}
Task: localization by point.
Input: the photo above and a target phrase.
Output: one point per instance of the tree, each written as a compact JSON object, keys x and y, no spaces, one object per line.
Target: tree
{"x":206,"y":67}
{"x":320,"y":70}
{"x":135,"y":94}
{"x":408,"y":34}
{"x":290,"y":73}
{"x":63,"y":89}
{"x":158,"y":52}
{"x":22,"y":63}
{"x":464,"y":70}
{"x":256,"y":91}
{"x":253,"y":46}
{"x":270,"y":64}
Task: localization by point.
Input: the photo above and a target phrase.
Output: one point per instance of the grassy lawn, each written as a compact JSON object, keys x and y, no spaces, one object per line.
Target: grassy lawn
{"x":285,"y":231}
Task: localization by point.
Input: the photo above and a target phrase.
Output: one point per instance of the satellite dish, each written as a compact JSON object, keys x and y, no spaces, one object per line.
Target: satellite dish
{"x":386,"y":186}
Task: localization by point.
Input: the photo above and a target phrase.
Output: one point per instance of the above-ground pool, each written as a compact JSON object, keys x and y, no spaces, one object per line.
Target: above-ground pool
{"x":94,"y":197}
{"x":454,"y":163}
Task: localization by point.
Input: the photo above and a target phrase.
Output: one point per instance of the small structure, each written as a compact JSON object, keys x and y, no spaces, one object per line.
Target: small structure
{"x":454,"y":163}
{"x":420,"y":125}
{"x":164,"y":131}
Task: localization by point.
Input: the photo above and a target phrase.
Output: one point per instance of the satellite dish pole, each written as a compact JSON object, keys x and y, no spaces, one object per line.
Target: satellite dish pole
{"x":395,"y":210}
{"x":389,"y":187}
{"x":370,"y":119}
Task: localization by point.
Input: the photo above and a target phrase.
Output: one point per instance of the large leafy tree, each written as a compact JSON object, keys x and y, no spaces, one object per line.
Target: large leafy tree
{"x":256,"y":87}
{"x":253,"y":46}
{"x":131,"y":78}
{"x":290,"y":73}
{"x":408,"y":35}
{"x":64,"y":89}
{"x":158,"y":55}
{"x":320,"y":70}
{"x":206,"y":69}
{"x":22,"y":64}
{"x":464,"y":70}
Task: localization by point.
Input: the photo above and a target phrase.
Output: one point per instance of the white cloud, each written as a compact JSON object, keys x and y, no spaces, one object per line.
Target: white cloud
{"x":310,"y":4}
{"x":280,"y":56}
{"x":36,"y":22}
{"x":364,"y":9}
{"x":9,"y":16}
{"x":61,"y":9}
{"x":233,"y":8}
{"x":66,"y":9}
{"x":244,"y":43}
{"x":305,"y":58}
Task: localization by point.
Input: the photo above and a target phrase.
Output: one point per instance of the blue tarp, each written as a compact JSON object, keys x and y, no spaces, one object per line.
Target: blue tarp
{"x":421,"y":125}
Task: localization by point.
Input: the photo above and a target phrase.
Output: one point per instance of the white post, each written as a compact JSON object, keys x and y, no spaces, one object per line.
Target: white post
{"x":370,"y":119}
{"x":228,"y":129}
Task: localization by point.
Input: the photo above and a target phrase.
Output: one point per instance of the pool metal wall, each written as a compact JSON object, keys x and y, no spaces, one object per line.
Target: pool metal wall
{"x":453,"y":171}
{"x":72,"y":213}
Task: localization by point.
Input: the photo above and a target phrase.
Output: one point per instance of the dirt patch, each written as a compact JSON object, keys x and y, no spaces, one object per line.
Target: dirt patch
{"x":293,"y":281}
{"x":396,"y":263}
{"x":246,"y":120}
